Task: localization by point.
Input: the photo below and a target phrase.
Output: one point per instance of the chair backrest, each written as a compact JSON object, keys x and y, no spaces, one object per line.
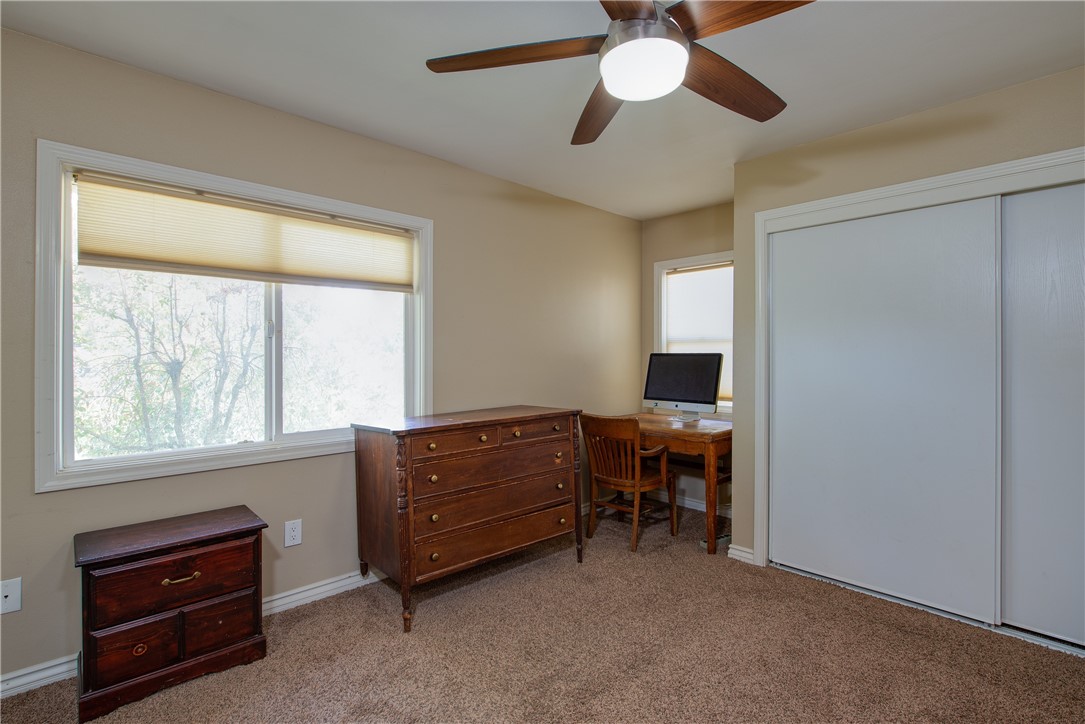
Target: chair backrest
{"x":613,"y":445}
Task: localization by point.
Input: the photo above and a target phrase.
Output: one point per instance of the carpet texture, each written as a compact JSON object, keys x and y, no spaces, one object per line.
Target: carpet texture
{"x":666,"y":634}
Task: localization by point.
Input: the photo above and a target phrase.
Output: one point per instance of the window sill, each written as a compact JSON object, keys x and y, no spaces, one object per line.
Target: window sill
{"x":119,"y":470}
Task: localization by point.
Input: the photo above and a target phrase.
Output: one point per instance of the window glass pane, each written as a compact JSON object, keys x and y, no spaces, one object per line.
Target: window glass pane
{"x":165,"y":361}
{"x":700,"y":316}
{"x":343,"y":356}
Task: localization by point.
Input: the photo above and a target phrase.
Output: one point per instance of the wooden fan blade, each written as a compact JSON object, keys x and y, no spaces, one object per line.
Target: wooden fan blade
{"x":518,"y":54}
{"x":721,"y":81}
{"x":701,"y":19}
{"x":598,"y":112}
{"x":629,"y":9}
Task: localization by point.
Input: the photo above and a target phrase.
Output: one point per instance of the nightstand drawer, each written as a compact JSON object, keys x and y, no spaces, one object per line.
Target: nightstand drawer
{"x":126,"y":652}
{"x":131,"y":591}
{"x":219,"y":622}
{"x":442,"y":476}
{"x":494,"y":503}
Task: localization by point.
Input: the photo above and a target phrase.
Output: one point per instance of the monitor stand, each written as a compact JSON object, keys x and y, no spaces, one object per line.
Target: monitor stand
{"x":687,"y":417}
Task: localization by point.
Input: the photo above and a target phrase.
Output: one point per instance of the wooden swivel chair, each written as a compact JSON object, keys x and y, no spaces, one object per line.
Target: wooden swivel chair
{"x":617,"y":463}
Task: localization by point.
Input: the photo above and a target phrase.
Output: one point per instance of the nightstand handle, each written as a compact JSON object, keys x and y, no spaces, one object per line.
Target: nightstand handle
{"x":174,"y":582}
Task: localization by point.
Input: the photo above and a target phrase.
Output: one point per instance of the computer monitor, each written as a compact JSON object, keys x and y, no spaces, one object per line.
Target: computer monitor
{"x":687,"y":382}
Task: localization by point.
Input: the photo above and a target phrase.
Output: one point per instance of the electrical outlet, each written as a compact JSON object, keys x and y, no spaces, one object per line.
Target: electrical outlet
{"x":293,"y":533}
{"x":11,"y":595}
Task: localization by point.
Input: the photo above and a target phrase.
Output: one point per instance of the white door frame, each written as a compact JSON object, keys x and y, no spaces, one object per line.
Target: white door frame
{"x":1031,"y":173}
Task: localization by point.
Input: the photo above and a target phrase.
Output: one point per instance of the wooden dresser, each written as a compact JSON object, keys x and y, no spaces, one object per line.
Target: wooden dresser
{"x":167,"y":601}
{"x":441,"y":493}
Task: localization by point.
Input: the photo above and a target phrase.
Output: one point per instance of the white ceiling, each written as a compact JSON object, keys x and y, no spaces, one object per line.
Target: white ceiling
{"x":360,"y":66}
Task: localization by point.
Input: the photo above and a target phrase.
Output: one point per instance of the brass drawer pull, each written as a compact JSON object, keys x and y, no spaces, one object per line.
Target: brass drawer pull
{"x":433,"y":478}
{"x":482,"y":438}
{"x":557,"y":428}
{"x":432,"y":446}
{"x":516,"y":433}
{"x":139,"y":649}
{"x":435,"y":556}
{"x":557,"y":455}
{"x":435,"y":517}
{"x":561,"y":486}
{"x":174,"y":582}
{"x":561,"y":522}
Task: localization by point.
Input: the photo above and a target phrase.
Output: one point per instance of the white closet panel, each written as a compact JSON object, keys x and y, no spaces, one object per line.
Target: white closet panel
{"x":1043,"y":471}
{"x":883,"y":404}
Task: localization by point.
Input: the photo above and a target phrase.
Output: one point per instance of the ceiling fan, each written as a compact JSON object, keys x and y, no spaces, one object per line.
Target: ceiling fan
{"x":671,"y":32}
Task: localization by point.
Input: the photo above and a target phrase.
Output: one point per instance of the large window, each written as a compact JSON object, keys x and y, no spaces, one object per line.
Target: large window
{"x":189,"y":322}
{"x":694,"y":311}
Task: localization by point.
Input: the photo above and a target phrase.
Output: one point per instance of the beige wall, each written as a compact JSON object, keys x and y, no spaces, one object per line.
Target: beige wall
{"x":532,"y":301}
{"x":702,"y":231}
{"x":1026,"y":120}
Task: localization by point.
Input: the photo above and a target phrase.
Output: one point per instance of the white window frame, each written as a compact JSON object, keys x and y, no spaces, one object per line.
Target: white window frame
{"x":660,"y":270}
{"x":52,"y":328}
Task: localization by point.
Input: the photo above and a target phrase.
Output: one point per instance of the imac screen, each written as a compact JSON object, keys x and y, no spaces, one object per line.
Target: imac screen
{"x":692,"y":378}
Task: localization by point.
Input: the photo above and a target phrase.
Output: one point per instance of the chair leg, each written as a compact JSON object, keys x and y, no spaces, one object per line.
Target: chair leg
{"x":671,"y":496}
{"x":636,"y":520}
{"x":592,"y":522}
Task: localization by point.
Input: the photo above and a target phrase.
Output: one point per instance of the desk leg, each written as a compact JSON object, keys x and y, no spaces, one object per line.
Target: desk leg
{"x":711,"y":459}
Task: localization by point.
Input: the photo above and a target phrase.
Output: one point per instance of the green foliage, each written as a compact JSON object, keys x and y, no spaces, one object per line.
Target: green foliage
{"x":171,"y":361}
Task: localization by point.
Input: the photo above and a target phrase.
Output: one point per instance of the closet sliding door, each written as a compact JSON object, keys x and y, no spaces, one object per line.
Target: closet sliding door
{"x":883,"y":404}
{"x":1043,"y":471}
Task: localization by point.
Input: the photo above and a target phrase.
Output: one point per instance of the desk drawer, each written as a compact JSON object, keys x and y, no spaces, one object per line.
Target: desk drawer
{"x":481,"y":438}
{"x":125,"y":652}
{"x":134,"y":590}
{"x":493,"y":503}
{"x":464,"y":549}
{"x":535,"y":430}
{"x":442,"y":476}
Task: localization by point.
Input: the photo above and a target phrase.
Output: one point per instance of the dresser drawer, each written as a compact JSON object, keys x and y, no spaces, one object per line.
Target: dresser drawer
{"x":535,"y":430}
{"x":126,"y":652}
{"x":134,"y":590}
{"x":481,"y":438}
{"x":219,"y":622}
{"x":464,"y":549}
{"x":493,"y":503}
{"x":442,"y":476}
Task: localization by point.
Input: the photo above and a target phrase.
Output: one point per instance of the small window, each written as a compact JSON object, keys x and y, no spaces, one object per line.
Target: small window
{"x":190,"y":326}
{"x":694,"y":302}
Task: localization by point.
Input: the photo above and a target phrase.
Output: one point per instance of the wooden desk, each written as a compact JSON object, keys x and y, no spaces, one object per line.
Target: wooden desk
{"x":710,"y":439}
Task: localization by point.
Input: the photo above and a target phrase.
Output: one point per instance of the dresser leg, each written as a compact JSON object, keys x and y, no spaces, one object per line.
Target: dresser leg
{"x":405,"y":593}
{"x":364,"y":567}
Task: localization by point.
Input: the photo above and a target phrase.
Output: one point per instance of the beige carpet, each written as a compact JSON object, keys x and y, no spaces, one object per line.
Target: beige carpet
{"x":666,"y":634}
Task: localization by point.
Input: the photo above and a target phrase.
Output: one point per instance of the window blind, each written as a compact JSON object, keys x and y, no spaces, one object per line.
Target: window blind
{"x":699,"y":315}
{"x":121,"y":222}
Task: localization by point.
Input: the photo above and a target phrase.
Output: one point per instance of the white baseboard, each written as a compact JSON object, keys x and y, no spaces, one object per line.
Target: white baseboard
{"x":67,"y":666}
{"x":39,"y":675}
{"x":723,"y":509}
{"x":740,"y":554}
{"x":316,"y":591}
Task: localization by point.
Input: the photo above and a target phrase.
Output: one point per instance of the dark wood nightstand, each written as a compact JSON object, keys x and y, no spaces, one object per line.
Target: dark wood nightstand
{"x":167,"y":601}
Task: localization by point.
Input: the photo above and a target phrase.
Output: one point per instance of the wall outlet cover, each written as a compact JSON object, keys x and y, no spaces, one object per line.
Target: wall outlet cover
{"x":11,"y":595}
{"x":292,"y":536}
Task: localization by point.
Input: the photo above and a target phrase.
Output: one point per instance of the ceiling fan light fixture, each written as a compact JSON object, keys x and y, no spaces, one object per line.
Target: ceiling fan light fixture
{"x":643,"y":59}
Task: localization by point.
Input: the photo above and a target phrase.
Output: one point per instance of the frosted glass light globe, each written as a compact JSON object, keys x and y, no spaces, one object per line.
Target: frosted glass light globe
{"x":643,"y":69}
